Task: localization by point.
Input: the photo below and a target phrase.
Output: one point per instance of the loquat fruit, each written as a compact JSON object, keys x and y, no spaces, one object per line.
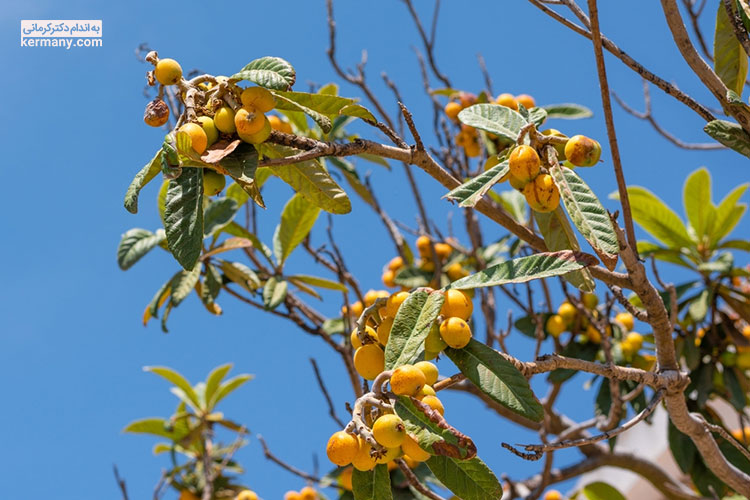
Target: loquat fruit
{"x":434,"y":403}
{"x":430,"y":371}
{"x":455,"y":332}
{"x":198,"y":137}
{"x":369,"y":361}
{"x":407,"y":380}
{"x":224,"y":120}
{"x":389,"y":431}
{"x":213,"y":182}
{"x":168,"y":71}
{"x":582,"y":151}
{"x":457,"y":303}
{"x":342,"y":447}
{"x":258,"y":98}
{"x":411,"y":447}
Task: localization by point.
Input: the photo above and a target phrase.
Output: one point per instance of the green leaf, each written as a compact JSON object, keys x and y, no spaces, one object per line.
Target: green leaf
{"x":656,"y":218}
{"x":143,"y":177}
{"x":274,"y":293}
{"x":729,"y":134}
{"x":699,"y":306}
{"x":312,"y":180}
{"x":601,"y":491}
{"x":297,"y":219}
{"x":468,"y":479}
{"x":728,"y":214}
{"x":136,"y":243}
{"x":537,"y":116}
{"x":184,"y":283}
{"x":178,"y":380}
{"x":412,"y":277}
{"x":228,"y":387}
{"x":493,"y":118}
{"x":374,"y":484}
{"x":523,"y":269}
{"x":497,"y":378}
{"x":183,"y":217}
{"x":287,"y":104}
{"x":471,"y":191}
{"x":241,"y":274}
{"x":434,"y":436}
{"x":587,"y":214}
{"x":218,"y":214}
{"x":214,"y":380}
{"x":730,"y":59}
{"x":155,"y":426}
{"x":696,"y":197}
{"x":319,"y":282}
{"x":270,"y":72}
{"x":237,"y":193}
{"x":161,"y":199}
{"x":743,"y":245}
{"x":567,"y":111}
{"x":411,"y":326}
{"x":558,"y":235}
{"x":514,"y":202}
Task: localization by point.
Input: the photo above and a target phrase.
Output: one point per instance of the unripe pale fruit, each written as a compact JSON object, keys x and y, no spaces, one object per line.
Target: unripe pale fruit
{"x":209,"y":127}
{"x":434,"y":403}
{"x":198,"y":137}
{"x":342,"y":447}
{"x":516,"y":183}
{"x":568,"y":312}
{"x":213,"y":182}
{"x":260,"y":136}
{"x":555,"y":325}
{"x":394,"y":302}
{"x":560,"y":148}
{"x":345,"y":478}
{"x":507,"y":100}
{"x":369,"y":361}
{"x":363,"y":461}
{"x":743,"y":361}
{"x":308,"y":493}
{"x":425,"y":391}
{"x":412,"y":448}
{"x":430,"y":371}
{"x":423,"y":246}
{"x":542,"y":194}
{"x":626,"y":320}
{"x":452,"y":109}
{"x":249,"y":122}
{"x":457,"y":304}
{"x":384,"y":330}
{"x":553,"y":495}
{"x":455,"y":332}
{"x":391,"y":454}
{"x":728,"y":358}
{"x":369,"y":332}
{"x":389,"y":278}
{"x":167,"y":71}
{"x":224,"y":120}
{"x":527,"y":101}
{"x":156,"y":113}
{"x":258,"y":98}
{"x":582,"y":151}
{"x":407,"y":380}
{"x":590,"y":301}
{"x":389,"y":431}
{"x":246,"y":495}
{"x":434,"y":342}
{"x":395,"y":263}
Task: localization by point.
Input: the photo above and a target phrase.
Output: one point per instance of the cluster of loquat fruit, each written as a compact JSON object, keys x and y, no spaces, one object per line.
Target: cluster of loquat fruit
{"x":451,"y":267}
{"x":215,"y":118}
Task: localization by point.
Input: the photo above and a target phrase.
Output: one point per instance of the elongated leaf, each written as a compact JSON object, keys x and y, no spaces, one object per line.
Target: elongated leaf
{"x":468,"y":479}
{"x":184,"y":283}
{"x":270,"y":72}
{"x":471,"y":191}
{"x":493,"y":118}
{"x":228,"y":387}
{"x":161,"y":295}
{"x":729,"y":134}
{"x":730,"y":59}
{"x":567,"y":111}
{"x":523,"y":269}
{"x":284,"y":103}
{"x":312,"y":180}
{"x":178,"y":380}
{"x":297,"y":219}
{"x":319,"y":282}
{"x":218,"y":214}
{"x":274,"y":293}
{"x":537,"y":116}
{"x":183,"y":217}
{"x":358,"y":111}
{"x":326,"y":104}
{"x":143,"y":177}
{"x":654,"y":216}
{"x":696,"y":196}
{"x":214,"y":380}
{"x":412,"y":277}
{"x":411,"y":326}
{"x":514,"y":202}
{"x":136,"y":243}
{"x":241,"y":274}
{"x":432,"y":432}
{"x":558,"y":235}
{"x":728,"y":214}
{"x":587,"y":214}
{"x":154,"y":426}
{"x":601,"y":491}
{"x":498,"y":378}
{"x":374,"y":484}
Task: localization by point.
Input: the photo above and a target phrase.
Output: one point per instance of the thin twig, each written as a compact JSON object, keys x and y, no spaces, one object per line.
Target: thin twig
{"x":324,"y":390}
{"x":120,"y":483}
{"x":297,"y":472}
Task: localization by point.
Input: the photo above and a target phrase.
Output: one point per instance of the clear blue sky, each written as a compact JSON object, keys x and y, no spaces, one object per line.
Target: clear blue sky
{"x":71,"y":342}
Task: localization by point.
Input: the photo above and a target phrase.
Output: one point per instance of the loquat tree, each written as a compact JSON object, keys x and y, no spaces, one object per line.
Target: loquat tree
{"x":647,"y":344}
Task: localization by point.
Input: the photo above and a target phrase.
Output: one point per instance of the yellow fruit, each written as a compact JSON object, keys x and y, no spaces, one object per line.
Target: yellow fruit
{"x":452,"y":109}
{"x":434,"y":342}
{"x":246,"y":495}
{"x":632,"y":343}
{"x":560,"y":148}
{"x":345,"y":478}
{"x":371,"y":296}
{"x":292,"y":495}
{"x":434,"y":403}
{"x":443,"y":250}
{"x":355,"y":310}
{"x":472,"y":149}
{"x":626,"y":320}
{"x":568,"y":312}
{"x":384,"y":330}
{"x":457,"y":304}
{"x":369,"y":332}
{"x":491,"y":162}
{"x":342,"y":447}
{"x":427,"y":265}
{"x":258,"y":137}
{"x":516,"y":183}
{"x":542,"y":194}
{"x":553,"y":495}
{"x":742,"y":437}
{"x":249,"y":122}
{"x":413,"y":450}
{"x":213,"y":182}
{"x":391,"y":454}
{"x":455,"y":332}
{"x":593,"y":334}
{"x":527,"y":101}
{"x":389,"y":431}
{"x":395,"y":263}
{"x":363,"y":461}
{"x":423,"y":246}
{"x":455,"y":271}
{"x":167,"y":71}
{"x":212,"y":134}
{"x":407,"y":380}
{"x":590,"y":301}
{"x":467,"y":99}
{"x":582,"y":151}
{"x":394,"y":302}
{"x":197,"y":136}
{"x":156,"y":113}
{"x":369,"y":361}
{"x":308,"y":493}
{"x":389,"y":278}
{"x":556,"y":324}
{"x":188,"y":495}
{"x":224,"y":120}
{"x":430,"y":371}
{"x":257,"y":98}
{"x":743,"y":360}
{"x":507,"y":100}
{"x":425,"y":391}
{"x":746,"y":331}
